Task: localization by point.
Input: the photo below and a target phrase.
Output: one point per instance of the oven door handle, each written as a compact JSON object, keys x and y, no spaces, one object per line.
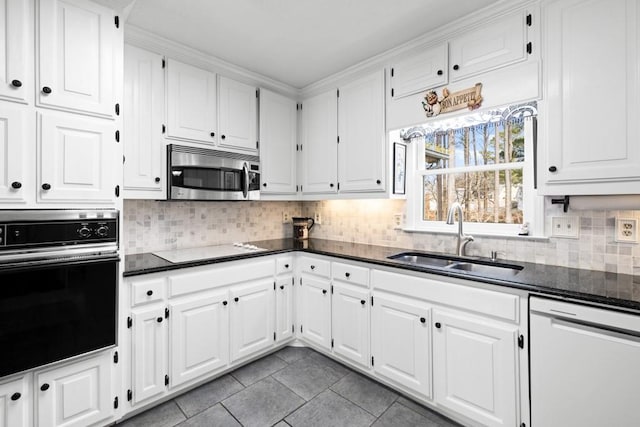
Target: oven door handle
{"x":245,"y":187}
{"x":58,"y":262}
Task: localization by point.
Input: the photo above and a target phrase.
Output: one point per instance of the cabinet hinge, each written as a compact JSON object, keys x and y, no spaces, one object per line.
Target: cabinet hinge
{"x":257,"y":93}
{"x":300,"y":328}
{"x":164,"y":63}
{"x":129,"y":322}
{"x":297,"y":147}
{"x":523,"y":425}
{"x":331,"y":342}
{"x":296,"y":188}
{"x":274,"y":285}
{"x":521,"y":341}
{"x":529,"y":48}
{"x":117,"y":136}
{"x":297,"y":107}
{"x":528,"y":20}
{"x":117,"y":109}
{"x":293,"y":329}
{"x":338,"y":186}
{"x":292,"y":282}
{"x":117,"y":191}
{"x":332,"y":289}
{"x":164,"y":128}
{"x":301,"y":281}
{"x":166,"y":380}
{"x":257,"y":145}
{"x":166,"y":312}
{"x":115,"y":357}
{"x":115,"y":403}
{"x":372,"y":301}
{"x":338,"y":139}
{"x":392,"y":92}
{"x":301,"y":188}
{"x":392,"y":72}
{"x":129,"y":395}
{"x":301,"y":106}
{"x":338,"y":93}
{"x":371,"y":360}
{"x":124,"y":159}
{"x":116,"y":21}
{"x":274,"y":336}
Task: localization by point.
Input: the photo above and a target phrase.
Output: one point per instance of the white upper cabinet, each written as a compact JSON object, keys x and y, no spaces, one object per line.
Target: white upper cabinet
{"x":76,"y":156}
{"x":144,"y":175}
{"x":15,"y":78}
{"x":591,"y":47}
{"x":16,"y":135}
{"x":191,"y":103}
{"x":278,"y":129}
{"x":237,"y":115}
{"x":361,"y":131}
{"x":319,"y":143}
{"x":425,"y":70}
{"x":76,"y":56}
{"x":498,"y":43}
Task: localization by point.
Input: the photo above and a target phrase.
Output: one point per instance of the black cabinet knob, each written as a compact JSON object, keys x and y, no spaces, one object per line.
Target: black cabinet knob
{"x":46,"y":89}
{"x":313,"y":267}
{"x":439,"y":72}
{"x":15,"y":185}
{"x":223,"y":137}
{"x":264,"y":184}
{"x":224,"y":303}
{"x":456,"y":67}
{"x":378,"y":181}
{"x":159,"y":319}
{"x":281,"y":286}
{"x":236,"y":299}
{"x":363,"y":302}
{"x":422,"y":320}
{"x":331,"y":185}
{"x":552,"y":168}
{"x":286,"y":266}
{"x":16,"y":83}
{"x":324,"y":292}
{"x":438,"y":325}
{"x":347,"y":275}
{"x":157,"y":179}
{"x":149,"y":293}
{"x":15,"y":396}
{"x":212,"y":134}
{"x":44,"y":387}
{"x":46,"y":186}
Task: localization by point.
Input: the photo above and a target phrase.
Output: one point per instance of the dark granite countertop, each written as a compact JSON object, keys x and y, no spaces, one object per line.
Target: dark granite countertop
{"x":619,"y":290}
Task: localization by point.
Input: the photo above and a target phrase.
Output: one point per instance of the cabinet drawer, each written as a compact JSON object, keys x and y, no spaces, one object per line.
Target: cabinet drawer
{"x":350,"y":274}
{"x":315,"y":266}
{"x":284,"y":265}
{"x":145,"y":291}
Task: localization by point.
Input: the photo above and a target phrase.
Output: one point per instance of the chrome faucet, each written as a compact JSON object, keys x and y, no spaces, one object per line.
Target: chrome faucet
{"x":463,"y":239}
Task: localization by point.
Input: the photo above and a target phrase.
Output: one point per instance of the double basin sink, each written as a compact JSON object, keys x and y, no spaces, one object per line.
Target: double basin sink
{"x":478,"y":267}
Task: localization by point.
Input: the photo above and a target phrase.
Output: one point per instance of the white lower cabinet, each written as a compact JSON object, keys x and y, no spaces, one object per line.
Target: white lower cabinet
{"x":284,"y":308}
{"x":199,"y":339}
{"x":315,"y":311}
{"x":149,"y":342}
{"x":475,"y":366}
{"x":350,"y":322}
{"x":75,"y":395}
{"x":252,"y":318}
{"x":400,"y":335}
{"x":15,"y":402}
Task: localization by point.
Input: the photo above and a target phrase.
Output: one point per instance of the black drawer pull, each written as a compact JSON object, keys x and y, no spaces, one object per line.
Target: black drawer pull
{"x":439,"y":72}
{"x":438,"y":325}
{"x":223,"y":137}
{"x":363,"y":302}
{"x":552,"y":168}
{"x":16,"y":83}
{"x":15,"y":396}
{"x":236,"y":299}
{"x":456,"y":67}
{"x":347,"y":275}
{"x":46,"y":186}
{"x":422,"y":320}
{"x":149,"y":293}
{"x":44,"y":387}
{"x":15,"y":185}
{"x":47,"y":90}
{"x":159,"y":319}
{"x":281,"y":286}
{"x":286,"y":266}
{"x":157,"y":179}
{"x":324,"y":292}
{"x":313,"y":267}
{"x":213,"y":134}
{"x":331,"y":185}
{"x":224,"y":303}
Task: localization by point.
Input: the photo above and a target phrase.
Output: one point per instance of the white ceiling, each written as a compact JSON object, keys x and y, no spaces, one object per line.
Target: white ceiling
{"x":297,"y":42}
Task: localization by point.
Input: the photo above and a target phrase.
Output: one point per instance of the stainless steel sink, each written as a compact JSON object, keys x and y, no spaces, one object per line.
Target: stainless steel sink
{"x":478,"y":267}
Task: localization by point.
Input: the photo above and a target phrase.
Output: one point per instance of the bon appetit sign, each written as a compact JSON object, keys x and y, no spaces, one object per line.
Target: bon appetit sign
{"x":467,"y":98}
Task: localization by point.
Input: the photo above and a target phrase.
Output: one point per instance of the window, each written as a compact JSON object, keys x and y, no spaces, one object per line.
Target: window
{"x":484,"y":161}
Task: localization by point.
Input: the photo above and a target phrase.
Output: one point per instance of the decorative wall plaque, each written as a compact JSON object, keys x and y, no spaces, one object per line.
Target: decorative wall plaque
{"x":467,"y":98}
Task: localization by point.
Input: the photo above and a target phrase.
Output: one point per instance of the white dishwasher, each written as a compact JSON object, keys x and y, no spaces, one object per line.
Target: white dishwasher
{"x":585,"y":365}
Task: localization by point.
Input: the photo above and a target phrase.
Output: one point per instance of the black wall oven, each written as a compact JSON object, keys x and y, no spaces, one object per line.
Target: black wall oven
{"x":58,"y":285}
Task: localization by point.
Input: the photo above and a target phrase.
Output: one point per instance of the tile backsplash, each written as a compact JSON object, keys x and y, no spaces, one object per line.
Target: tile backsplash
{"x":151,"y":226}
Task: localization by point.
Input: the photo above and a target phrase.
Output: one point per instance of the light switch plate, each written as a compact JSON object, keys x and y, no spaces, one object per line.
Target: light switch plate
{"x":626,"y":230}
{"x":565,"y":226}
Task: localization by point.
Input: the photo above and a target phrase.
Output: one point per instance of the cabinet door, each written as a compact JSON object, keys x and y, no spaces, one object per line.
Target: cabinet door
{"x":143,"y":116}
{"x":319,"y":144}
{"x":475,"y":368}
{"x":15,"y":403}
{"x":425,"y":70}
{"x":252,"y":318}
{"x":191,"y":103}
{"x":400,"y":342}
{"x":149,"y":346}
{"x":350,"y":314}
{"x":238,"y":115}
{"x":199,"y":338}
{"x":277,"y":143}
{"x":361,"y":152}
{"x":75,"y":52}
{"x":77,"y":157}
{"x":15,"y":78}
{"x":315,"y":312}
{"x":501,"y":42}
{"x":75,"y":395}
{"x":580,"y":62}
{"x":16,"y":170}
{"x":284,"y":308}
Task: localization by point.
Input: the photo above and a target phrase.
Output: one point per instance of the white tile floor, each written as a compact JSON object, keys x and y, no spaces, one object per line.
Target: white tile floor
{"x":295,"y":386}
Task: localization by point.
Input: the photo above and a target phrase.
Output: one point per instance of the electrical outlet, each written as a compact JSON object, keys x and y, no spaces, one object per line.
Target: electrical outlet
{"x":626,"y":230}
{"x":285,"y":217}
{"x":317,"y":218}
{"x":565,"y":226}
{"x":397,"y":221}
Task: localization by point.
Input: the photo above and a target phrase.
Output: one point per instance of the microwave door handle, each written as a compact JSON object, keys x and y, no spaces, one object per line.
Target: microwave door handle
{"x":245,"y":187}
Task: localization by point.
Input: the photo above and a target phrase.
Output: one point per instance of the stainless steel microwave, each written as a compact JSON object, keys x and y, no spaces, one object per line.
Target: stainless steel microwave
{"x":203,"y":174}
